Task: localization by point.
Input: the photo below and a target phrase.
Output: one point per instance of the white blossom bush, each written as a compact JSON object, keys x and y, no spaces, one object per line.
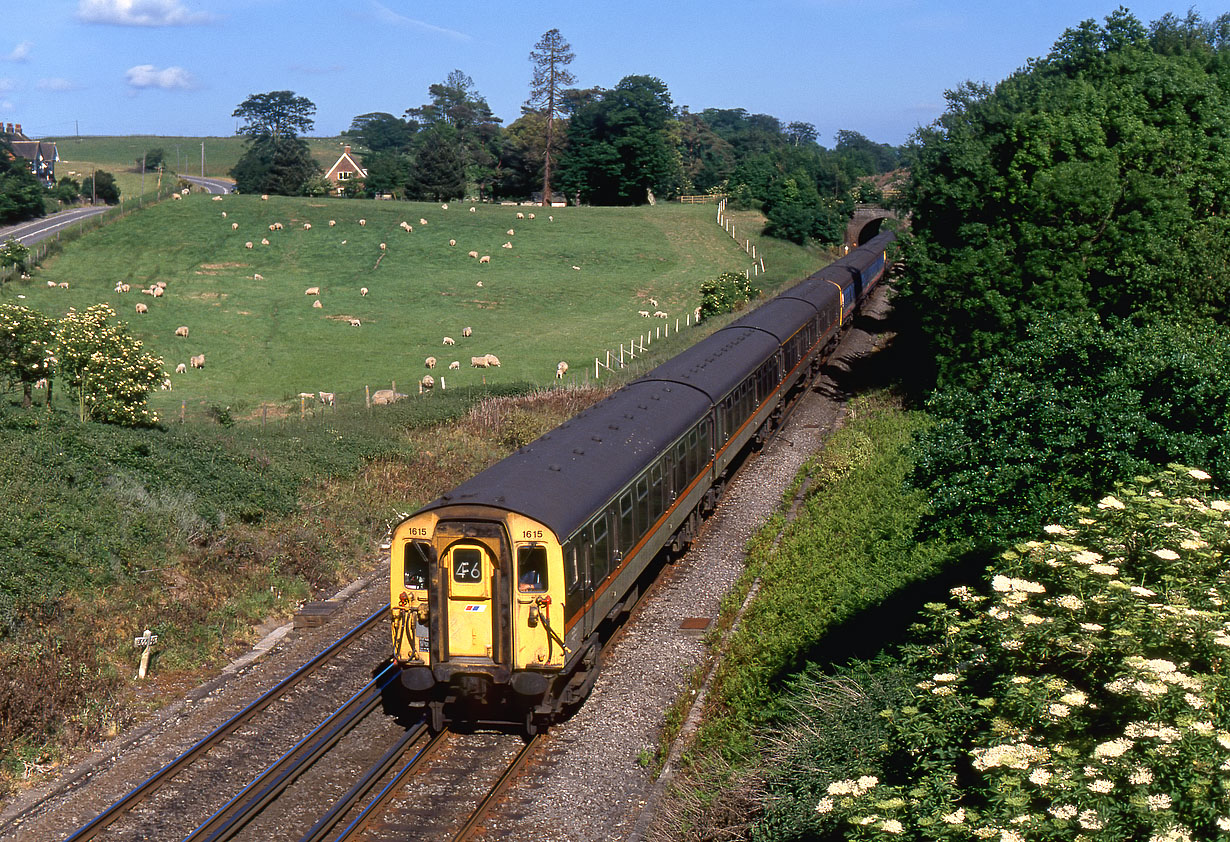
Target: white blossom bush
{"x":102,"y":365}
{"x":1082,"y":696}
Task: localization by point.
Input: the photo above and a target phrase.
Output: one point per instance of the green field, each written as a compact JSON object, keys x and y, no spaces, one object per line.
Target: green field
{"x":264,"y":342}
{"x":118,"y":156}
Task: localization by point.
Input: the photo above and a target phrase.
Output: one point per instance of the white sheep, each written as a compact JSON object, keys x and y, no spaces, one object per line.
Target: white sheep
{"x":520,"y":215}
{"x":467,"y":331}
{"x":510,"y":232}
{"x":653,"y":302}
{"x":217,"y":198}
{"x":264,"y":242}
{"x":382,"y":397}
{"x":265,"y":197}
{"x":362,"y":290}
{"x":506,"y":246}
{"x":474,"y":255}
{"x":486,"y":258}
{"x":224,"y":214}
{"x":176,"y":196}
{"x":550,"y":218}
{"x":248,"y":244}
{"x":234,"y":226}
{"x":307,"y":396}
{"x":362,"y":222}
{"x":181,"y":368}
{"x":182,"y":330}
{"x":427,"y":383}
{"x":198,"y":361}
{"x":356,"y":323}
{"x":161,"y":284}
{"x":257,"y":276}
{"x":332,"y":222}
{"x":384,"y":246}
{"x":307,"y":226}
{"x":448,"y":340}
{"x":452,"y":242}
{"x":326,"y":398}
{"x":430,"y":362}
{"x":422,"y":221}
{"x":53,"y":283}
{"x":472,"y":210}
{"x":660,"y":315}
{"x":560,"y":370}
{"x":316,"y":305}
{"x":312,"y":291}
{"x":479,"y":284}
{"x":531,"y":216}
{"x":156,"y":292}
{"x":478,"y":362}
{"x":643,"y":313}
{"x":142,"y":307}
{"x":166,"y":385}
{"x":443,"y":207}
{"x":184,"y":191}
{"x":454,"y":365}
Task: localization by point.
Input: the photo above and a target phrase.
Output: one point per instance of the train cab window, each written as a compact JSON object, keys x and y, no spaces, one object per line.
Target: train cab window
{"x":531,"y":568}
{"x":416,"y":565}
{"x":467,"y":565}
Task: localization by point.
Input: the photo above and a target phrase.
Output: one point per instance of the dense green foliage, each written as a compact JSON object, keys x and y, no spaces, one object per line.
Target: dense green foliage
{"x":1079,"y":689}
{"x":21,"y":195}
{"x":26,"y":340}
{"x":275,"y":114}
{"x":726,"y":293}
{"x":101,"y":186}
{"x":280,"y":165}
{"x":103,"y":367}
{"x":1067,"y":412}
{"x":1090,"y":181}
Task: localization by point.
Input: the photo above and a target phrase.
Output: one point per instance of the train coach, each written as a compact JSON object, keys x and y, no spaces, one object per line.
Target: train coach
{"x":504,"y":589}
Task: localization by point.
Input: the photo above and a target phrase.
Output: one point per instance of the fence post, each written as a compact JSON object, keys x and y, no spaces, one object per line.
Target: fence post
{"x":367,"y":396}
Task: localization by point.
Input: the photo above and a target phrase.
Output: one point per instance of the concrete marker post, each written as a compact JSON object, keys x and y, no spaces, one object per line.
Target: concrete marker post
{"x":146,"y":640}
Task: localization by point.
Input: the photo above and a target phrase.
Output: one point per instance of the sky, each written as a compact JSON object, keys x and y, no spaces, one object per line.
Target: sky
{"x":182,"y":67}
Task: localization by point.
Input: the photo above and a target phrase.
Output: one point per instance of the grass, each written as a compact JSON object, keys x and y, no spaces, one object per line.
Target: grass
{"x":264,"y":343}
{"x":118,"y":155}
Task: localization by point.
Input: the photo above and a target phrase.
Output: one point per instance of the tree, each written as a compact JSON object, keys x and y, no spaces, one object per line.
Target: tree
{"x":21,"y":195}
{"x":801,"y":134}
{"x":623,"y":145}
{"x":67,"y":190}
{"x":25,"y":347}
{"x":13,"y":253}
{"x":275,"y":114}
{"x":439,"y":173}
{"x":475,"y":131}
{"x":282,"y":165}
{"x":379,"y":132}
{"x":101,"y":185}
{"x":104,"y":367}
{"x":151,"y":160}
{"x":550,"y":57}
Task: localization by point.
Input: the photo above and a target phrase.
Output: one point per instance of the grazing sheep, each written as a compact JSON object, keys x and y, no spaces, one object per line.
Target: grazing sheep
{"x":452,"y":242}
{"x":643,"y":313}
{"x":265,"y":197}
{"x":234,"y":226}
{"x":430,"y":362}
{"x":308,"y":396}
{"x":520,"y":215}
{"x":271,"y":228}
{"x":478,"y":362}
{"x":248,"y":244}
{"x":312,"y":291}
{"x":149,"y":291}
{"x":658,"y":314}
{"x":277,"y":226}
{"x":156,"y":292}
{"x":264,"y":242}
{"x":362,"y":290}
{"x":176,"y":196}
{"x":550,"y":218}
{"x":184,"y":191}
{"x":356,"y":323}
{"x":493,"y":361}
{"x":307,"y":226}
{"x":422,"y":221}
{"x":467,"y":331}
{"x":63,"y":284}
{"x":383,"y":397}
{"x":161,"y":284}
{"x":448,"y":340}
{"x":257,"y":276}
{"x":474,"y":255}
{"x":472,"y":210}
{"x":510,"y":232}
{"x":454,"y":365}
{"x":181,"y":368}
{"x":384,"y":246}
{"x":326,"y":398}
{"x":443,"y":207}
{"x":182,"y":330}
{"x":362,"y":222}
{"x":142,"y":307}
{"x":166,"y":384}
{"x":696,"y":314}
{"x":317,"y":305}
{"x":560,"y":370}
{"x":653,"y":302}
{"x":531,"y":216}
{"x":427,"y":383}
{"x":224,"y":214}
{"x":506,"y":246}
{"x":51,"y":283}
{"x":479,"y":284}
{"x":486,"y":258}
{"x":332,"y":222}
{"x":198,"y":361}
{"x":578,"y":268}
{"x":217,"y":198}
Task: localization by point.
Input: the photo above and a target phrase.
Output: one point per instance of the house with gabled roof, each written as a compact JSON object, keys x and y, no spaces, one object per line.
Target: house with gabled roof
{"x":41,"y":154}
{"x":344,"y":170}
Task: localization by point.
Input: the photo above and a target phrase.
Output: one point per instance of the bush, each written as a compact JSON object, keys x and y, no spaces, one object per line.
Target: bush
{"x":726,"y":293}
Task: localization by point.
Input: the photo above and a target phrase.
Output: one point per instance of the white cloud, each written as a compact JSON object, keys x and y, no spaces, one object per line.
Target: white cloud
{"x":7,"y":85}
{"x":57,"y":84}
{"x":148,"y":76}
{"x":21,"y":52}
{"x":385,"y":15}
{"x":138,"y":13}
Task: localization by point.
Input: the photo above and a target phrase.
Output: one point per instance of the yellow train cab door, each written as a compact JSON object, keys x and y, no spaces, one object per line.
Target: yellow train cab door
{"x":470,"y":566}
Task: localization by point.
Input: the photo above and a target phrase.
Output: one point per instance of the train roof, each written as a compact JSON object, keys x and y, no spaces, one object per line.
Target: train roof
{"x":707,"y":365}
{"x":564,"y":477}
{"x":782,"y":316}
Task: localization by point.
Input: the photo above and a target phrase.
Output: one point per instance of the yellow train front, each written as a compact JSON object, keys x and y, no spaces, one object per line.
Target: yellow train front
{"x":478,"y":611}
{"x":504,"y":590}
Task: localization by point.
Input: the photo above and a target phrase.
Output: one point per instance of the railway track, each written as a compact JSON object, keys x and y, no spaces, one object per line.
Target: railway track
{"x":147,"y":788}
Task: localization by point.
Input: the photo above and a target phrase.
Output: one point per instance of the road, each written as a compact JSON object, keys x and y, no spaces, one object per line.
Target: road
{"x":29,"y":233}
{"x":211,"y":185}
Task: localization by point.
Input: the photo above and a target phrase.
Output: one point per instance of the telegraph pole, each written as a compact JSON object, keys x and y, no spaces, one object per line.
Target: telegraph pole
{"x":202,"y":159}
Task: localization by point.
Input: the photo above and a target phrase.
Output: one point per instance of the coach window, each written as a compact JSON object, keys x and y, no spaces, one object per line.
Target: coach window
{"x":417,"y":565}
{"x":602,"y":550}
{"x":682,"y":477}
{"x":657,"y":491}
{"x":627,"y":522}
{"x":642,"y":504}
{"x":531,"y":568}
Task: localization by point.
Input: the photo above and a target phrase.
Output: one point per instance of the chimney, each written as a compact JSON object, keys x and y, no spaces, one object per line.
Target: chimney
{"x":9,"y":129}
{"x":19,"y":129}
{"x":346,"y":150}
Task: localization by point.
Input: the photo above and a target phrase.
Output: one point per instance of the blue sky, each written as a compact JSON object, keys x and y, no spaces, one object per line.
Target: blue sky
{"x":180,"y":67}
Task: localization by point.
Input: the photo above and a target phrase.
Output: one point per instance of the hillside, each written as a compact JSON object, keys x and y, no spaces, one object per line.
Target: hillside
{"x":570,"y":287}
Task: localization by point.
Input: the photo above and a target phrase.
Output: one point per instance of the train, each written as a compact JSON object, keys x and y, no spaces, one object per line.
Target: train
{"x":504,"y":589}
